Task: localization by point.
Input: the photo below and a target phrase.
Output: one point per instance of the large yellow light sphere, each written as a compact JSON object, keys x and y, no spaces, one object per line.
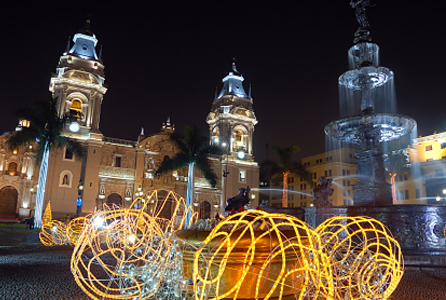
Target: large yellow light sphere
{"x":53,"y":233}
{"x":124,"y":254}
{"x":74,"y":229}
{"x":364,"y":258}
{"x":167,"y":207}
{"x":257,"y":255}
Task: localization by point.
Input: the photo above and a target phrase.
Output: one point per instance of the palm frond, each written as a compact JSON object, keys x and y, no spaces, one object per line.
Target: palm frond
{"x":40,"y":151}
{"x":22,"y":138}
{"x":71,"y":145}
{"x":179,"y":142}
{"x":204,"y":165}
{"x":298,"y":169}
{"x":285,"y":155}
{"x":171,"y":164}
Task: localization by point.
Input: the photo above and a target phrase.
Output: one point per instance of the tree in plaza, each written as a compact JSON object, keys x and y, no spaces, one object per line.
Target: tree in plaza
{"x":396,"y":163}
{"x":193,"y":151}
{"x":42,"y":125}
{"x":286,"y":166}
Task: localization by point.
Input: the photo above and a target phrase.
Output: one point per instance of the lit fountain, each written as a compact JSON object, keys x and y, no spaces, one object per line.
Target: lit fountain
{"x":366,"y":94}
{"x":368,"y":84}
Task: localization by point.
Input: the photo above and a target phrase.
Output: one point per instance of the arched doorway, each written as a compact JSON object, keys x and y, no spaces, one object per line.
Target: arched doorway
{"x":115,"y":199}
{"x":8,"y":202}
{"x":205,"y":210}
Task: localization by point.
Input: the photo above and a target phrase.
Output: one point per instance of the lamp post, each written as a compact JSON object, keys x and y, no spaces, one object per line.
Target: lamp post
{"x":80,"y":188}
{"x":226,"y":144}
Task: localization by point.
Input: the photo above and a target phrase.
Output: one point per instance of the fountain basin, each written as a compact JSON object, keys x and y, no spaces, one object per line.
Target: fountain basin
{"x":235,"y":264}
{"x":385,"y":127}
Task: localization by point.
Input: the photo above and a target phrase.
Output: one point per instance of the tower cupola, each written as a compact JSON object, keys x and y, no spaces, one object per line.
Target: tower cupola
{"x":232,"y":83}
{"x":85,"y":43}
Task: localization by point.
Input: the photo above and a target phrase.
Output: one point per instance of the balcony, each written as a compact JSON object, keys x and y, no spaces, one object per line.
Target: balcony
{"x":116,"y":172}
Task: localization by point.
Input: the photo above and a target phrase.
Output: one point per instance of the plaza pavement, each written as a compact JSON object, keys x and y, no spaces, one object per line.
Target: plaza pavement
{"x":30,"y":271}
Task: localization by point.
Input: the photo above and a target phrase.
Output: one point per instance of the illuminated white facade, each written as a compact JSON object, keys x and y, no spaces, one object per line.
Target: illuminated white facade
{"x":116,"y":170}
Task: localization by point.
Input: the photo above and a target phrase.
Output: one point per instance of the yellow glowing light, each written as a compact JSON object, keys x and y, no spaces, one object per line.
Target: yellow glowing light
{"x":47,"y":218}
{"x":232,"y":253}
{"x":135,"y":254}
{"x":53,"y":233}
{"x":128,"y":257}
{"x":364,"y":258}
{"x":74,"y":229}
{"x":169,"y":209}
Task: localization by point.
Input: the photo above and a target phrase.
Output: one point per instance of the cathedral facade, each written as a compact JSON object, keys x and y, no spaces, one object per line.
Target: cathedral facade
{"x":116,"y":171}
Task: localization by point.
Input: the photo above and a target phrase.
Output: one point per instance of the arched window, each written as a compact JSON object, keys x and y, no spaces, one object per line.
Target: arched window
{"x":205,"y":210}
{"x":216,"y":136}
{"x":239,"y":143}
{"x":65,"y":179}
{"x":76,"y":108}
{"x":12,"y":169}
{"x":114,"y":198}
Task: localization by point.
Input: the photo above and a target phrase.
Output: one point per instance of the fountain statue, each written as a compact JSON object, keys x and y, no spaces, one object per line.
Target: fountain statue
{"x":368,"y":121}
{"x":239,"y":200}
{"x":322,"y":192}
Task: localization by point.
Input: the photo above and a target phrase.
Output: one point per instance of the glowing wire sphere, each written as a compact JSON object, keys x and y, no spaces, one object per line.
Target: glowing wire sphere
{"x":254,"y":254}
{"x":167,"y":207}
{"x":365,"y":260}
{"x":124,"y":254}
{"x":74,"y":229}
{"x":53,"y":233}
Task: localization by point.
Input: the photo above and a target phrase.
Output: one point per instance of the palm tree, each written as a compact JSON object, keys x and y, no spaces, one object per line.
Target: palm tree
{"x":286,"y":166}
{"x":45,"y":128}
{"x":396,"y":162}
{"x":193,"y":151}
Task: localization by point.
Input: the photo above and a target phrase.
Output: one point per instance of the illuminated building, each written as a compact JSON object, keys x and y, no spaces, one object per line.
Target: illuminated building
{"x":429,"y":152}
{"x":339,"y":165}
{"x":114,"y":170}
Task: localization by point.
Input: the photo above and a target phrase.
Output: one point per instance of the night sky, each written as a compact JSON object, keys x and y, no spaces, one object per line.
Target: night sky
{"x":165,"y":58}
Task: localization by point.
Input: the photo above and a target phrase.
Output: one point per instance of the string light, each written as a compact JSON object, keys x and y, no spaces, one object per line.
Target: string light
{"x":157,"y":202}
{"x":254,"y":254}
{"x":53,"y":233}
{"x":364,"y":258}
{"x":74,"y":229}
{"x":129,"y":256}
{"x":142,"y":254}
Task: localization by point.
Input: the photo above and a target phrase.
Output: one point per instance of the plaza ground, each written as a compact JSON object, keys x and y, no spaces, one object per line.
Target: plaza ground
{"x":28,"y":270}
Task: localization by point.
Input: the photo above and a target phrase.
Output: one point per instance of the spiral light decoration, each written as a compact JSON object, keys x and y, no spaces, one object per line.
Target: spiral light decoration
{"x":136,"y":254}
{"x":364,"y":258}
{"x":53,"y":233}
{"x":74,"y":229}
{"x":167,"y":207}
{"x":254,"y":254}
{"x":124,"y":254}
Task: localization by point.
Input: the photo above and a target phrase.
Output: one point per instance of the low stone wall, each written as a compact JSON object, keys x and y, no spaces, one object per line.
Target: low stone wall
{"x":418,"y":228}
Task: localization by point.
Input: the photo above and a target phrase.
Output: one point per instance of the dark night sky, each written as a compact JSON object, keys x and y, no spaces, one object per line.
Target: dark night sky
{"x":165,"y":58}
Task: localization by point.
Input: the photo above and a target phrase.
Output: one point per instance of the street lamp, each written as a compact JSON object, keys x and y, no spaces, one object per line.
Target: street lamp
{"x":80,"y":188}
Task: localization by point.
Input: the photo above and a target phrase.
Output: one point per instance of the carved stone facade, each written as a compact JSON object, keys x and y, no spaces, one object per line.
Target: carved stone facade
{"x":113,"y":171}
{"x":18,"y":179}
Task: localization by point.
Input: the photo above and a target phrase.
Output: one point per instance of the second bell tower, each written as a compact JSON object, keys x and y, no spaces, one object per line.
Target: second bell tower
{"x":79,"y":81}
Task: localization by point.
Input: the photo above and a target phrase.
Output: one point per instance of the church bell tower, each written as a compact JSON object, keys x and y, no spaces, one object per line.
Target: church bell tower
{"x":232,"y":119}
{"x":79,"y":82}
{"x":231,"y":125}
